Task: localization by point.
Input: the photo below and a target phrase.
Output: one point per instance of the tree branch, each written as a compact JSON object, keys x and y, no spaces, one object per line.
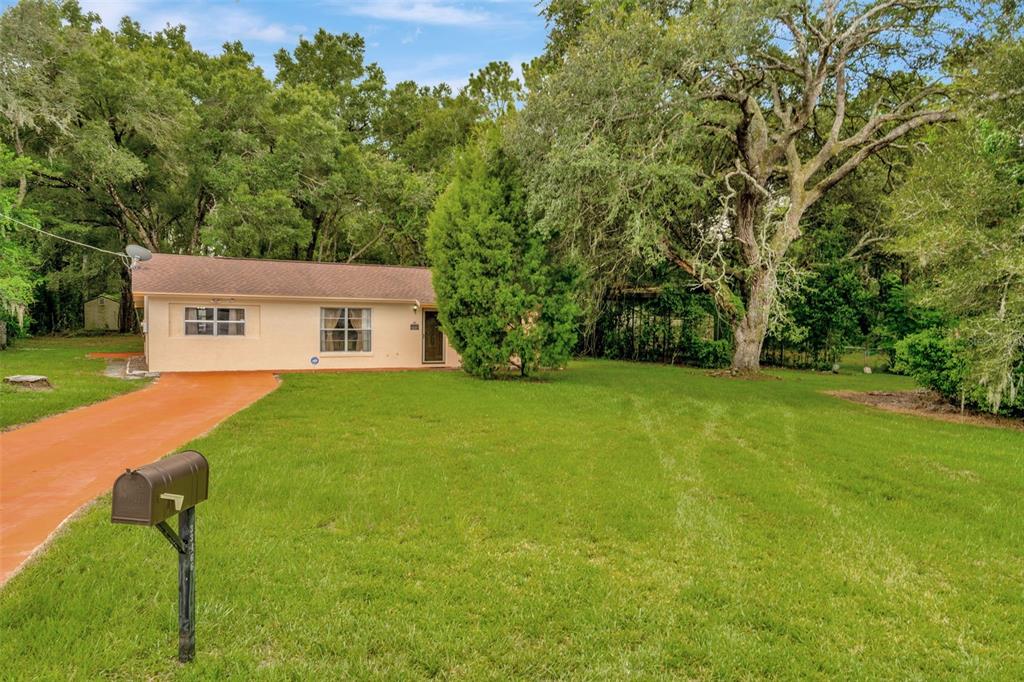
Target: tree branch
{"x":919,"y":120}
{"x":721,"y":293}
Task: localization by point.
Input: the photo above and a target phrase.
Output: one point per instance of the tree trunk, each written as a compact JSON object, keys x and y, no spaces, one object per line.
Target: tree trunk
{"x":762,"y":258}
{"x":126,"y":321}
{"x":749,"y":331}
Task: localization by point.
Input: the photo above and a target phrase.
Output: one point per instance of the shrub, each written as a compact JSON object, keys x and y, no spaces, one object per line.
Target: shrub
{"x":936,"y":358}
{"x":897,"y":316}
{"x":713,"y":354}
{"x":933,"y":360}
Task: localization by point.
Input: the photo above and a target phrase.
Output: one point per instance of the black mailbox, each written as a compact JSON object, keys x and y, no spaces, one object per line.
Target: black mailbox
{"x":157,"y":491}
{"x":149,"y":495}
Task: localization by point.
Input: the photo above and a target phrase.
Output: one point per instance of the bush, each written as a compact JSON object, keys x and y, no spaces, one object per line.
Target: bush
{"x":937,"y":359}
{"x":933,"y":360}
{"x":713,"y":354}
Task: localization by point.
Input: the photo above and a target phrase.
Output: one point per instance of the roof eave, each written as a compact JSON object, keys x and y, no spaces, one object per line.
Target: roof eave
{"x":277,"y":297}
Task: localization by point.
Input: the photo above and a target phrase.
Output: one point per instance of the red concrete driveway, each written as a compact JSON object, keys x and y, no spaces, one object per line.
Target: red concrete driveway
{"x":50,"y":468}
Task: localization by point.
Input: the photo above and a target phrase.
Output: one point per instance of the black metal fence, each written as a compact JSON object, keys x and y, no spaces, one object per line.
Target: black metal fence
{"x":660,"y":324}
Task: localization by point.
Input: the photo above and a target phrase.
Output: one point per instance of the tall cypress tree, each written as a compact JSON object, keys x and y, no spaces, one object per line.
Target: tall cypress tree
{"x":501,"y":300}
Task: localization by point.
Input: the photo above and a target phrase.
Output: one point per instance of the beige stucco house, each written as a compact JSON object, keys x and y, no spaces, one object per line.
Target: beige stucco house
{"x":210,"y":314}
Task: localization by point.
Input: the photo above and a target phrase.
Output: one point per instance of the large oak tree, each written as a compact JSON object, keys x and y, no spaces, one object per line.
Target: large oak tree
{"x":702,"y":132}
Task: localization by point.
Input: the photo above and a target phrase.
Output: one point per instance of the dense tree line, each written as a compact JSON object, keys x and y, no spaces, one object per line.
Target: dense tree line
{"x":808,"y":174}
{"x":126,"y":137}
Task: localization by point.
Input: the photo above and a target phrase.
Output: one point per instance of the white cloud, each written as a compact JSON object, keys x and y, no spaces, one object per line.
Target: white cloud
{"x":207,"y":26}
{"x":440,"y":12}
{"x":220,"y":24}
{"x":452,"y":69}
{"x":411,"y":38}
{"x":111,"y":11}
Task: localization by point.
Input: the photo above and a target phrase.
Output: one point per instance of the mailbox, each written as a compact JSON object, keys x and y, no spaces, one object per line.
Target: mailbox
{"x":152,"y":493}
{"x":148,"y":496}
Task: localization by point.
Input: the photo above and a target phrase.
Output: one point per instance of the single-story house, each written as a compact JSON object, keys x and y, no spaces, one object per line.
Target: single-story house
{"x":103,"y":313}
{"x":205,"y":313}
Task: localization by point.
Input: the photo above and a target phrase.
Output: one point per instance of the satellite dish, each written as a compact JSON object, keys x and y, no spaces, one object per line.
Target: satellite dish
{"x":138,"y":253}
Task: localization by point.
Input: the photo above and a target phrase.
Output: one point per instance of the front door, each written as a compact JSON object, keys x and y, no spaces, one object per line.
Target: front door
{"x":433,"y":337}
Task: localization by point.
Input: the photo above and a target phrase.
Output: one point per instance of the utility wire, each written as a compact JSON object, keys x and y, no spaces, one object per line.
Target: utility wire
{"x":122,"y":256}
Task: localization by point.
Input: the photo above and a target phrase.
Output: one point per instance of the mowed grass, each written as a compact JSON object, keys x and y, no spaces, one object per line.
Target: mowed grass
{"x":614,"y":520}
{"x":76,"y":379}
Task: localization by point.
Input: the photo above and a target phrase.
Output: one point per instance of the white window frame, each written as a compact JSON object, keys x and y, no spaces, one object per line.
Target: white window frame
{"x":366,"y":317}
{"x":214,"y":321}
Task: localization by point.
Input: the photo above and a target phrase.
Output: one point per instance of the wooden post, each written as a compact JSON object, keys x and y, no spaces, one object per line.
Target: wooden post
{"x":186,"y":586}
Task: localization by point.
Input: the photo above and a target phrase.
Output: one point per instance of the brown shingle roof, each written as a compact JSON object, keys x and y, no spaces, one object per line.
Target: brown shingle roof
{"x":174,"y":274}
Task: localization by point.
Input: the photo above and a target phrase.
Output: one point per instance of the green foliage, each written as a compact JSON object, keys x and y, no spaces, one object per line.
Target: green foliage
{"x":943,"y":359}
{"x":423,"y":128}
{"x":613,"y":158}
{"x":712,"y":353}
{"x":17,"y":258}
{"x":500,"y":298}
{"x":138,"y":137}
{"x":934,"y":359}
{"x":825,"y":314}
{"x":495,"y":88}
{"x":668,"y":322}
{"x":898,"y":316}
{"x":971,"y":257}
{"x":331,"y":62}
{"x":701,"y":134}
{"x":263,"y":225}
{"x":960,"y":217}
{"x":16,"y":328}
{"x":36,"y":94}
{"x":17,"y":278}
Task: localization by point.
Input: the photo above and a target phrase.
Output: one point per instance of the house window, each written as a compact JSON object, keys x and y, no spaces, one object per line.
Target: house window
{"x":345,"y":330}
{"x":214,"y":321}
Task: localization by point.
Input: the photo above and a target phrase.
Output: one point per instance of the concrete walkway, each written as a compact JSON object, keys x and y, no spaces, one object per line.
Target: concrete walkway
{"x":50,"y":468}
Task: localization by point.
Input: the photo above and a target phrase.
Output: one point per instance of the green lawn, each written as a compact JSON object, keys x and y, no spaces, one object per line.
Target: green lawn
{"x":615,"y":520}
{"x":76,"y":379}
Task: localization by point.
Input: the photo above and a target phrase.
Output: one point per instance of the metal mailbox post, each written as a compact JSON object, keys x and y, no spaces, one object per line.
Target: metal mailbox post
{"x":151,"y":494}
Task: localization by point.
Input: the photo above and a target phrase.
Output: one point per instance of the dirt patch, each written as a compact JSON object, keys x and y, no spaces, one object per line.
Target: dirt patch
{"x":924,"y":403}
{"x":743,"y":376}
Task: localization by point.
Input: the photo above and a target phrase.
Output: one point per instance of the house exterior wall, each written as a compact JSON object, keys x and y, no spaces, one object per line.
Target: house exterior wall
{"x":102,"y":314}
{"x":281,"y":335}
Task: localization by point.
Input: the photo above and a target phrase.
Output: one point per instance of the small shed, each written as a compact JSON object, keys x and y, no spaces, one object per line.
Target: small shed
{"x":102,"y":313}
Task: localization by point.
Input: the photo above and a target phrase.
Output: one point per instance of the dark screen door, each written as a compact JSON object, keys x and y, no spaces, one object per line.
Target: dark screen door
{"x":433,"y":338}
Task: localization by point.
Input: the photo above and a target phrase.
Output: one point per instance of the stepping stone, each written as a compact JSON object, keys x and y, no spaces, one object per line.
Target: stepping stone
{"x":36,"y":382}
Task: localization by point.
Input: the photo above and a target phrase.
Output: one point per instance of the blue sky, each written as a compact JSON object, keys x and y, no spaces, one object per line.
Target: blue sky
{"x":429,"y":41}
